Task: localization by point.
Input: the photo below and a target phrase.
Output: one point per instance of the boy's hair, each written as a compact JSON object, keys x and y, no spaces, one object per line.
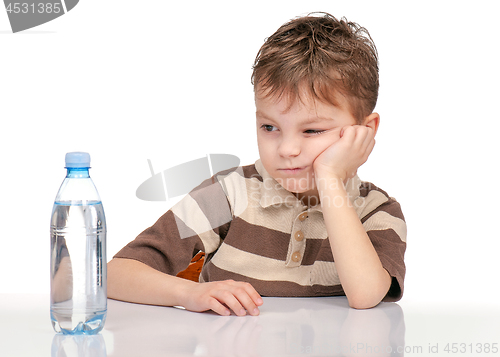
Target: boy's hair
{"x":323,"y":56}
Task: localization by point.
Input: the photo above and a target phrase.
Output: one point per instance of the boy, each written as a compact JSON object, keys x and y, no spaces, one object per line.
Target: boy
{"x":299,"y":222}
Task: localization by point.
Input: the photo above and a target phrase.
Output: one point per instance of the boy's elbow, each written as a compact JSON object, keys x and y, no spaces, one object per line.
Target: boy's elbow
{"x":364,"y":300}
{"x":361,"y":303}
{"x":367,"y":297}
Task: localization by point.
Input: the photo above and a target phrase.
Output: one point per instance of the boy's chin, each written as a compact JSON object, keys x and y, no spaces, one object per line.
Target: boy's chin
{"x":295,"y":187}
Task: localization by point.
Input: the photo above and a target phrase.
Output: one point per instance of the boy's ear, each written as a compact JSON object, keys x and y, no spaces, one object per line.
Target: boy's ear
{"x":372,"y":121}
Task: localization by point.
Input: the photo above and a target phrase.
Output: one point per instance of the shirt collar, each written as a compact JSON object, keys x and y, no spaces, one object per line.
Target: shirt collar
{"x":272,"y":193}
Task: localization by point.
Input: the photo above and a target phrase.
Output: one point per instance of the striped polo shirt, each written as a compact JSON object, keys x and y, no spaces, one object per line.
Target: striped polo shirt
{"x":252,"y":229}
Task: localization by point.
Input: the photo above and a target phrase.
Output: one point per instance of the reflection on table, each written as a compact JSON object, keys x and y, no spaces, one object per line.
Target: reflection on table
{"x":286,"y":326}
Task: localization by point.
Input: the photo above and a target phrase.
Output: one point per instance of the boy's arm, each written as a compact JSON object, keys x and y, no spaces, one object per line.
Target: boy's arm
{"x":363,"y":278}
{"x":133,"y":281}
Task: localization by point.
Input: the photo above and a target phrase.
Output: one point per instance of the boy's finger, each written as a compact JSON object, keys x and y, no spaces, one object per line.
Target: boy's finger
{"x":370,"y":147}
{"x":348,"y":132}
{"x":363,"y":136}
{"x":248,"y":297}
{"x":370,"y":139}
{"x":226,"y":297}
{"x":218,"y":308}
{"x":247,"y":301}
{"x":344,"y":129}
{"x":254,"y":295}
{"x":249,"y":289}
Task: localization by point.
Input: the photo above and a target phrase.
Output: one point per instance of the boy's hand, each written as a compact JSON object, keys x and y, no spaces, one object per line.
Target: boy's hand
{"x":221,"y":297}
{"x":343,"y":158}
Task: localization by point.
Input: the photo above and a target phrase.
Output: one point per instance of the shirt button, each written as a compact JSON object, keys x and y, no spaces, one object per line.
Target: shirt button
{"x":296,"y":257}
{"x":299,"y":236}
{"x":303,"y":216}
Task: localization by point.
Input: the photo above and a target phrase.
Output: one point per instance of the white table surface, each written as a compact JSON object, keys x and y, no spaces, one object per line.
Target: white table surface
{"x":286,"y":326}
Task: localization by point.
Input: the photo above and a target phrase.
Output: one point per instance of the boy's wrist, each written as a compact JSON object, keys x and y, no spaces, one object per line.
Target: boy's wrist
{"x":183,"y":290}
{"x":332,"y":191}
{"x":326,"y":178}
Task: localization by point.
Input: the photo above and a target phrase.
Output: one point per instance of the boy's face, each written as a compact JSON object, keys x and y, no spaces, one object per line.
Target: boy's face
{"x":290,"y":140}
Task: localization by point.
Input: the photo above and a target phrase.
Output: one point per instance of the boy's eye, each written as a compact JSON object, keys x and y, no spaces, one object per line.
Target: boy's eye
{"x":313,"y":131}
{"x":267,"y":127}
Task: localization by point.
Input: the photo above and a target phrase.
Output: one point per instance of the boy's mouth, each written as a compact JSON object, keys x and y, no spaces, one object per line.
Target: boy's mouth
{"x":292,"y":170}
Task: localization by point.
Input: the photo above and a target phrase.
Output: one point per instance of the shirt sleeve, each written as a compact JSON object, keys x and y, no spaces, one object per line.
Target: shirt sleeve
{"x":386,"y":229}
{"x":197,"y":223}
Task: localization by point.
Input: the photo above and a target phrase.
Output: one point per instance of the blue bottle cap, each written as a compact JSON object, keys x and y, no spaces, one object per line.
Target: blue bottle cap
{"x":77,"y":159}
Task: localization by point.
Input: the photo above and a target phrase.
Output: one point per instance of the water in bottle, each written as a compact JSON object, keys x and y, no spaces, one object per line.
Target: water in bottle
{"x":78,"y":296}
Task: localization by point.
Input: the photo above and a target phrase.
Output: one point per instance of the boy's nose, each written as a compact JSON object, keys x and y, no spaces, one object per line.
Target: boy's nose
{"x":289,"y":148}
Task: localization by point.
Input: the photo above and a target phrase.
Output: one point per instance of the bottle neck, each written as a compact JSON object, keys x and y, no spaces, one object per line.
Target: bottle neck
{"x":77,"y":172}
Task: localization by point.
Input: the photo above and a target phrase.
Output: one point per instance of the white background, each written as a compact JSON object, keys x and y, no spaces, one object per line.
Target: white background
{"x":168,"y":81}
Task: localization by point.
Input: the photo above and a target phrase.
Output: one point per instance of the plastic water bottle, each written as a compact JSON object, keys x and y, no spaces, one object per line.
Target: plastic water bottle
{"x":78,"y":295}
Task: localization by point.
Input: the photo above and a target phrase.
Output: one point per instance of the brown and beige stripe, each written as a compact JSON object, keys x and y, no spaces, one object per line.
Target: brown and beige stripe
{"x":252,"y":229}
